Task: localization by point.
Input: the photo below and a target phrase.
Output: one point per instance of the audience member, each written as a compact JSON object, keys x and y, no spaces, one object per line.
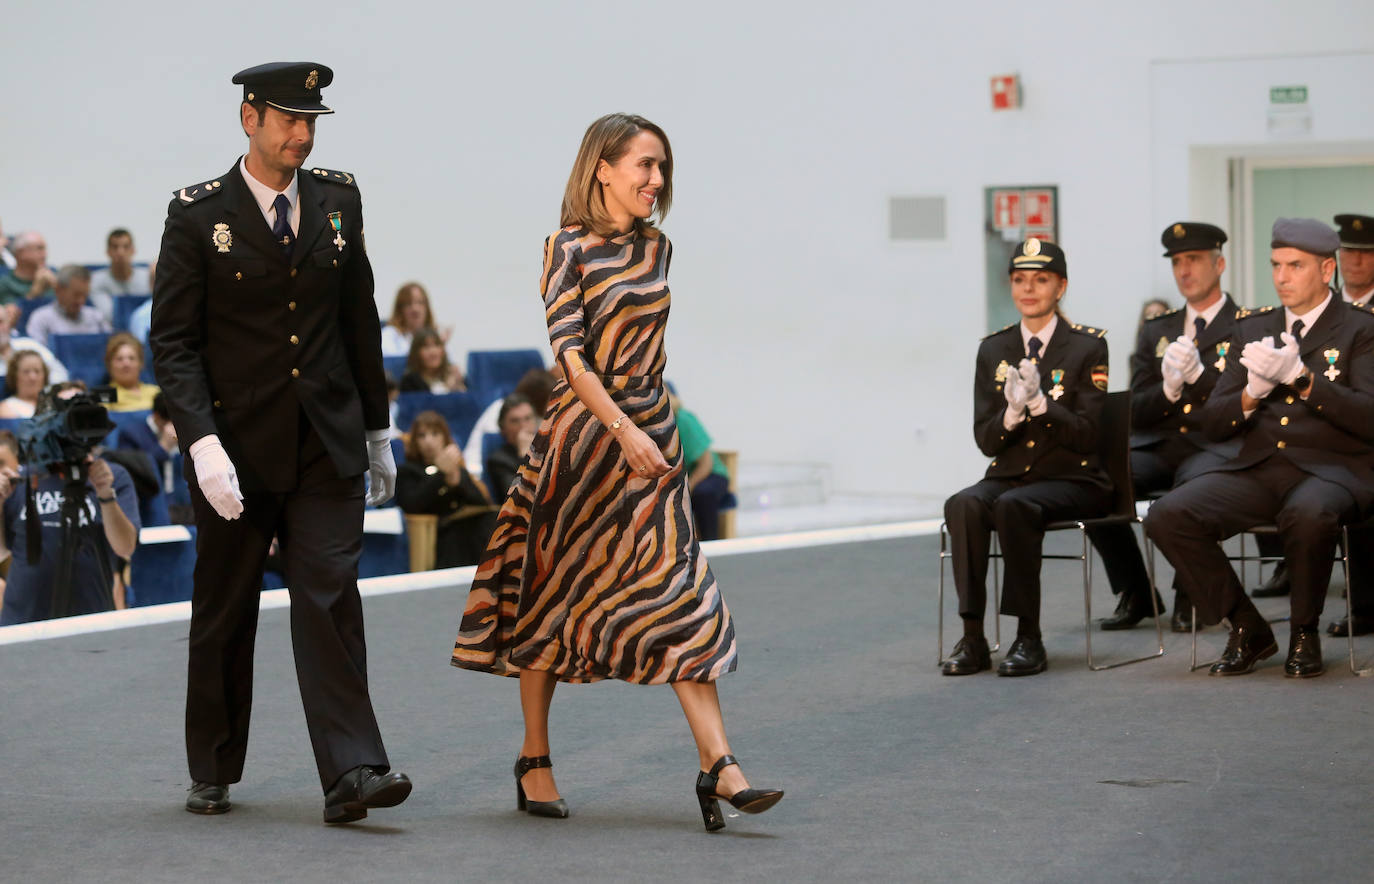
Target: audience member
{"x":1151,"y":309}
{"x":535,"y":385}
{"x":409,"y":313}
{"x":9,"y":450}
{"x":428,"y":369}
{"x":142,"y":318}
{"x":30,"y":276}
{"x":121,"y":277}
{"x":69,"y":314}
{"x":6,"y":256}
{"x":708,"y":481}
{"x":9,"y":345}
{"x":518,"y":424}
{"x":26,"y":376}
{"x":124,"y":362}
{"x":109,"y":513}
{"x":393,"y":397}
{"x":155,"y":439}
{"x":435,"y":480}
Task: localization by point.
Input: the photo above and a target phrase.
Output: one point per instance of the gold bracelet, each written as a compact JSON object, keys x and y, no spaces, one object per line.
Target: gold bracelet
{"x":615,"y":424}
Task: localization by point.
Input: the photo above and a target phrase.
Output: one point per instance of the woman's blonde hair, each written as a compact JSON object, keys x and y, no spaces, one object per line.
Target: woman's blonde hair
{"x":122,"y":339}
{"x":608,"y":139}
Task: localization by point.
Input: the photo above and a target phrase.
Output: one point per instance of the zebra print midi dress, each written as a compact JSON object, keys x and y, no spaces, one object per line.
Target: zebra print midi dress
{"x":593,"y":572}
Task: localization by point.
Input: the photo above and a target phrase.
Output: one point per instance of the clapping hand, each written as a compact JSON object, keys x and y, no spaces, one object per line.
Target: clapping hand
{"x":1181,"y":365}
{"x":1030,"y":386}
{"x":1260,"y":359}
{"x":1289,"y":364}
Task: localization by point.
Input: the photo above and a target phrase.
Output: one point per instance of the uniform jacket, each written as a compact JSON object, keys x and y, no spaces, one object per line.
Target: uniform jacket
{"x":1062,"y":442}
{"x":1331,"y":433}
{"x":1154,"y":419}
{"x":244,"y":340}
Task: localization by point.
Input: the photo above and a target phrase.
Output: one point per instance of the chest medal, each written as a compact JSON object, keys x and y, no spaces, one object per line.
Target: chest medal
{"x":222,"y":238}
{"x":1056,"y":378}
{"x":1222,"y":348}
{"x":1001,"y":374}
{"x":1161,"y":347}
{"x":336,"y":221}
{"x":1332,"y":372}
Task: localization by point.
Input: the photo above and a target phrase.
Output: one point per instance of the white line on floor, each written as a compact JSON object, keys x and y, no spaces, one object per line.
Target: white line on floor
{"x":372,"y":586}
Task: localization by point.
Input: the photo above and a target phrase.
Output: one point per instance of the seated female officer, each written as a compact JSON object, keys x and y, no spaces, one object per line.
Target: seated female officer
{"x":1038,"y":393}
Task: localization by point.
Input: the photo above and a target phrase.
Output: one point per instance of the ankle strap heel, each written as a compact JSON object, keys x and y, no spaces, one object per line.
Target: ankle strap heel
{"x":746,"y":800}
{"x":558,"y":808}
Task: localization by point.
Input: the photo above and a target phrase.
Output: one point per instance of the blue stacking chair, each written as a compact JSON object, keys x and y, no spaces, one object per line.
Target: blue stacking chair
{"x":493,"y":374}
{"x":26,"y":308}
{"x":124,"y":307}
{"x":490,"y":442}
{"x":395,"y":366}
{"x":460,"y":410}
{"x":84,"y":355}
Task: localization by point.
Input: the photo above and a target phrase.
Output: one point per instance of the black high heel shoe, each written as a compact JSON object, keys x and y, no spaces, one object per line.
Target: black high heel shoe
{"x":557,"y":809}
{"x":747,"y":800}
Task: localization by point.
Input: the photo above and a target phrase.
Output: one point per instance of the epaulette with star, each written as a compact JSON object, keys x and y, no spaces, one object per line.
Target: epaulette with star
{"x":1246,"y":312}
{"x":334,"y":176}
{"x":196,"y":192}
{"x":1089,"y":330}
{"x":999,"y":331}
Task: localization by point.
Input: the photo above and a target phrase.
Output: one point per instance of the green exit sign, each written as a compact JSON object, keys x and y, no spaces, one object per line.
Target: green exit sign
{"x":1288,"y":95}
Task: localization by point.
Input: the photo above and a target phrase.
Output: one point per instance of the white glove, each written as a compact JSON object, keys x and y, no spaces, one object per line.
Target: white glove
{"x":1191,"y":365}
{"x":381,"y":467}
{"x":216,"y":476}
{"x":1016,"y":401}
{"x":1289,"y":364}
{"x":1030,"y":388}
{"x":1259,"y":357}
{"x":1175,"y":367}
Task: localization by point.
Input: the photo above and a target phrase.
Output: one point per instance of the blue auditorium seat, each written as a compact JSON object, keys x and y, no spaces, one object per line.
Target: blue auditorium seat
{"x":124,"y":307}
{"x":493,"y":374}
{"x":461,"y":410}
{"x":84,"y":355}
{"x":161,"y":572}
{"x":26,"y":308}
{"x":398,"y":450}
{"x":490,"y":442}
{"x":395,"y":366}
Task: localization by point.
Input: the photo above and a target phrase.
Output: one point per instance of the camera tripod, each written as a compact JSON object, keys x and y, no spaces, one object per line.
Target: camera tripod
{"x":76,"y":537}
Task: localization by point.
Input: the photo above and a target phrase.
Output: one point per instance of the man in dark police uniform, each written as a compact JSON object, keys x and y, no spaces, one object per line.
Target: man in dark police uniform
{"x":1301,"y":399}
{"x":267,"y":346}
{"x":1178,"y":359}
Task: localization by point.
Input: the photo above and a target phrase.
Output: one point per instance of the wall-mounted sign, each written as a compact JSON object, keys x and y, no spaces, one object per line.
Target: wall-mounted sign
{"x":1006,"y":92}
{"x":1288,"y":95}
{"x":1289,"y":112}
{"x":1011,"y":214}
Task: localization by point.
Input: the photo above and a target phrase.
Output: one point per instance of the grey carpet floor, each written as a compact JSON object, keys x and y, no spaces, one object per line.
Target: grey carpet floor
{"x":893,"y":773}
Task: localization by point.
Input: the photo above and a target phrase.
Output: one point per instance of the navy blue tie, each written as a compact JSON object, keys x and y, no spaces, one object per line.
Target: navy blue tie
{"x":281,"y":230}
{"x":1199,"y":323}
{"x":1297,"y":330}
{"x":1033,"y":348}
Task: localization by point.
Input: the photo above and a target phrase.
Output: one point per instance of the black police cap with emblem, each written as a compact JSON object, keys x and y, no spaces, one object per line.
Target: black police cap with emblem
{"x":1357,"y":231}
{"x":1305,"y":234}
{"x":291,"y":86}
{"x":1191,"y":236}
{"x":1039,"y":254}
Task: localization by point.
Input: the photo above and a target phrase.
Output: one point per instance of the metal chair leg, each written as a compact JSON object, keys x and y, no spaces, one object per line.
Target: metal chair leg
{"x":1088,"y":611}
{"x":1355,"y":668}
{"x":994,"y":556}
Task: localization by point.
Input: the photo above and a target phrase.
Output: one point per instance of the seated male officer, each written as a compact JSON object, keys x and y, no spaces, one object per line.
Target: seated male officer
{"x":1357,"y":275}
{"x":1301,"y":399}
{"x":1178,"y":358}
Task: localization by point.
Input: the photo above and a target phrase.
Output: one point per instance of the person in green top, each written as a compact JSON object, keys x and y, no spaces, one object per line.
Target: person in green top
{"x":31,"y":277}
{"x":707,"y":478}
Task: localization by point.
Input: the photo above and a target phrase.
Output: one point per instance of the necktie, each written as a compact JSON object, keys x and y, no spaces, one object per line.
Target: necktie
{"x":281,"y":230}
{"x":1198,"y":323}
{"x":1033,"y":348}
{"x":1297,"y":330}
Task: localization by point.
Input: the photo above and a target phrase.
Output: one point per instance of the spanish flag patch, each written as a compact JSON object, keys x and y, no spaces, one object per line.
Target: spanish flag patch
{"x":1100,"y":377}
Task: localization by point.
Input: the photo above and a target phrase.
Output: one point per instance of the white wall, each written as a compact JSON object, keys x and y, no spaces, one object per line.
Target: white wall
{"x":799,"y":332}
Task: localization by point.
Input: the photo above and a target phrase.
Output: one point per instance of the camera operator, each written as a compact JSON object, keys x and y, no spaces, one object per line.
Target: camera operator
{"x":110,"y":503}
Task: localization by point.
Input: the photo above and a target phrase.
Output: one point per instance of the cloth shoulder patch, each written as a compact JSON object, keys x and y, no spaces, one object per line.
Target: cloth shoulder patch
{"x":999,"y":331}
{"x":193,"y":193}
{"x":1089,"y":330}
{"x":1099,"y":374}
{"x":335,"y":176}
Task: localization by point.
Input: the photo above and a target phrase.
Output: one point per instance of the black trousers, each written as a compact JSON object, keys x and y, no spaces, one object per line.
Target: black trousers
{"x":1152,"y":470}
{"x":707,"y":496}
{"x":1018,"y":511}
{"x":319,"y":525}
{"x":1189,"y":523}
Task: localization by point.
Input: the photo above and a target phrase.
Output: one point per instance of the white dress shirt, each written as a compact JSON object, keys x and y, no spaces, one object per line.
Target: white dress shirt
{"x":266,"y":196}
{"x":1362,"y":301}
{"x":1190,"y":315}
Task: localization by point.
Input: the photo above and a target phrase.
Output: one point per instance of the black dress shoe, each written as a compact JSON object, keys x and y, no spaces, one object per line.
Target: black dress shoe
{"x":1182,"y":621}
{"x":208,"y":798}
{"x":1304,"y":653}
{"x":1245,"y":647}
{"x":747,"y":800}
{"x":1130,"y":610}
{"x":1026,"y":657}
{"x":362,"y":787}
{"x":970,"y":655}
{"x":1364,"y":625}
{"x":556,"y":809}
{"x":1275,"y":586}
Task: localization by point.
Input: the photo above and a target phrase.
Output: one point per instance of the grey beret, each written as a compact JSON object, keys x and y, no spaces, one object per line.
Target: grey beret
{"x":1307,"y":234}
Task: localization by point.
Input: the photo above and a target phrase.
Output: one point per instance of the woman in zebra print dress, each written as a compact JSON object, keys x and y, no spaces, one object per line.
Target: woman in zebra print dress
{"x":594,"y":571}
